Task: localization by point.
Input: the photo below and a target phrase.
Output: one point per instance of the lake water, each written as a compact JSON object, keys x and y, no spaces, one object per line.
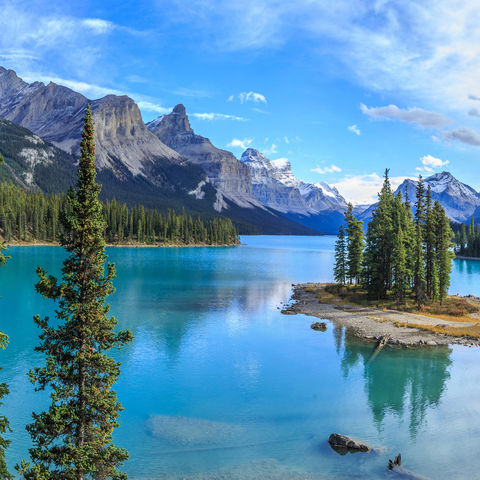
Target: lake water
{"x":219,"y":384}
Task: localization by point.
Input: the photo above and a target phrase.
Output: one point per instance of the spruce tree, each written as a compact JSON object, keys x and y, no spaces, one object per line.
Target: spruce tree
{"x":431,"y":277}
{"x":340,"y":269}
{"x":399,"y":267}
{"x":443,"y":250}
{"x":419,"y":267}
{"x":377,"y":274}
{"x":4,"y":423}
{"x":72,"y":440}
{"x":355,"y":244}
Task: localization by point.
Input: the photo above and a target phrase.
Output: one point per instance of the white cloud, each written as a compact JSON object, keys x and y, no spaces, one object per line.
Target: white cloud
{"x":270,"y":150}
{"x":88,"y":89}
{"x":323,"y":170}
{"x":97,"y":25}
{"x":244,"y":97}
{"x":286,"y":140}
{"x":153,"y":107}
{"x":422,"y":117}
{"x":37,"y":40}
{"x":243,"y":144}
{"x":363,"y":189}
{"x":464,"y":135}
{"x":217,"y":116}
{"x":354,"y":129}
{"x":429,"y":50}
{"x":433,"y":162}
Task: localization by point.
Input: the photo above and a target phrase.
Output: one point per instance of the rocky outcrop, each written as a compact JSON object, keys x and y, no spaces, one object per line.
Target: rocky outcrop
{"x":340,"y":441}
{"x":31,"y":162}
{"x":231,"y":177}
{"x":55,"y":113}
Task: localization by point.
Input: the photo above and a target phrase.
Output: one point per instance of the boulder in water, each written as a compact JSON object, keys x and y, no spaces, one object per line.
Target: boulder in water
{"x":342,"y":442}
{"x":319,"y":326}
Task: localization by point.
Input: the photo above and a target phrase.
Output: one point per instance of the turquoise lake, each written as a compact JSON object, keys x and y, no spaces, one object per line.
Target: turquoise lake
{"x":219,"y":384}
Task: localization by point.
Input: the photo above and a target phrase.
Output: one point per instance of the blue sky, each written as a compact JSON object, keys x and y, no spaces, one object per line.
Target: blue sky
{"x":342,"y":89}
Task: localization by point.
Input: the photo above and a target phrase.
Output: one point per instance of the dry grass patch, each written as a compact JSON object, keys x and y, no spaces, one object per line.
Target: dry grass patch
{"x":473,"y":331}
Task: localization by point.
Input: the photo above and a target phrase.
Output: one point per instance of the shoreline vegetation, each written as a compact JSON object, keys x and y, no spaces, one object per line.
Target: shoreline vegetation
{"x":459,"y":323}
{"x":392,"y":283}
{"x":128,"y":245}
{"x":28,"y":217}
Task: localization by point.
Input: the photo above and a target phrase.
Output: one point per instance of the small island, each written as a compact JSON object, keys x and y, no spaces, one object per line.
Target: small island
{"x":392,"y":283}
{"x":459,"y":323}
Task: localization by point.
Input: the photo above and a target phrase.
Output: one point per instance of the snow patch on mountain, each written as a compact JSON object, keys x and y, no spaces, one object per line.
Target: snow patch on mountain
{"x":458,"y":199}
{"x":275,"y":185}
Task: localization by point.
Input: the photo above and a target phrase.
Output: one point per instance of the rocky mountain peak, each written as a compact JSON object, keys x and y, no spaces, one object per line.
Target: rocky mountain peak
{"x":458,"y":199}
{"x":255,"y":159}
{"x":231,"y":177}
{"x":172,"y":124}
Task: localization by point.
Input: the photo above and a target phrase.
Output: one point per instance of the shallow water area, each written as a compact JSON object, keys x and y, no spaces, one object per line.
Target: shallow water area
{"x":219,"y":384}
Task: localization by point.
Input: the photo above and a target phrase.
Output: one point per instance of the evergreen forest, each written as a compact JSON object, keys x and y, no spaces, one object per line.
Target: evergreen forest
{"x":35,"y":217}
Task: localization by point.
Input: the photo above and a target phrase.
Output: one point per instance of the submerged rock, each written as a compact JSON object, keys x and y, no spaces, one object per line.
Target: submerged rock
{"x":339,"y":441}
{"x":192,"y":431}
{"x":320,"y":326}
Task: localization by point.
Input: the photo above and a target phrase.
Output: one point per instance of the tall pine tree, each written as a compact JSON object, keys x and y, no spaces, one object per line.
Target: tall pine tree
{"x":355,"y":244}
{"x":431,"y":277}
{"x":377,"y":271}
{"x":340,"y":269}
{"x":419,"y":267}
{"x":443,"y":249}
{"x":4,"y":423}
{"x":72,"y":440}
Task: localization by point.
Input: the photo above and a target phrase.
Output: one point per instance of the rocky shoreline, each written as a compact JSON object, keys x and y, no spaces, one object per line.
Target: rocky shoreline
{"x":373,"y":324}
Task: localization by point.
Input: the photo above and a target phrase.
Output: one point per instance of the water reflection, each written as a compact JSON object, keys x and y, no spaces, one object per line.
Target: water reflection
{"x":399,"y":380}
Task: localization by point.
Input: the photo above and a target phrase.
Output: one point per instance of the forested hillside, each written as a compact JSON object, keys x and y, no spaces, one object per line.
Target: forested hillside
{"x":467,"y":239}
{"x":34,"y":216}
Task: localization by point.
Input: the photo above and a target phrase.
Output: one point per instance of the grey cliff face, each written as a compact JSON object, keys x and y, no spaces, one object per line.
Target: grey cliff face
{"x":55,"y":113}
{"x":230,"y":176}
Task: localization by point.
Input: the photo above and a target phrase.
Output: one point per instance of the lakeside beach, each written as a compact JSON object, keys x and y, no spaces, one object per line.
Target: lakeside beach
{"x":370,"y":323}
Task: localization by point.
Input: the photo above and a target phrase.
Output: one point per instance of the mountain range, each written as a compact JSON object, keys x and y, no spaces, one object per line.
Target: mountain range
{"x":165,"y":164}
{"x":459,"y":200}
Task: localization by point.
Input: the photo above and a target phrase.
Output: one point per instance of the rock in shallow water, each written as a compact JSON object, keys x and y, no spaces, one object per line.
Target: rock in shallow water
{"x":339,"y":441}
{"x":319,"y":326}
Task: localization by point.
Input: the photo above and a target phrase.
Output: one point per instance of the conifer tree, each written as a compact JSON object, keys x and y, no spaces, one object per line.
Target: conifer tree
{"x":340,"y":269}
{"x":419,"y":267}
{"x":431,"y":278}
{"x":443,"y":249}
{"x":4,"y":423}
{"x":72,"y":440}
{"x":377,"y":275}
{"x":409,"y":234}
{"x":399,"y":267}
{"x":355,"y":244}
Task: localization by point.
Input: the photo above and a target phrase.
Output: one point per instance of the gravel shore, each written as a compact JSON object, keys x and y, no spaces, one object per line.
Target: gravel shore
{"x":372,"y":324}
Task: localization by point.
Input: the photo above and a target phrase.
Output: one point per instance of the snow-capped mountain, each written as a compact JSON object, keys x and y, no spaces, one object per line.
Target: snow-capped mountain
{"x":317,"y":205}
{"x":458,"y":199}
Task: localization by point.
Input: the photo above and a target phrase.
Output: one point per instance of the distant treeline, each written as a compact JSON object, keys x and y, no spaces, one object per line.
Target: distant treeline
{"x":35,"y":216}
{"x":467,"y":239}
